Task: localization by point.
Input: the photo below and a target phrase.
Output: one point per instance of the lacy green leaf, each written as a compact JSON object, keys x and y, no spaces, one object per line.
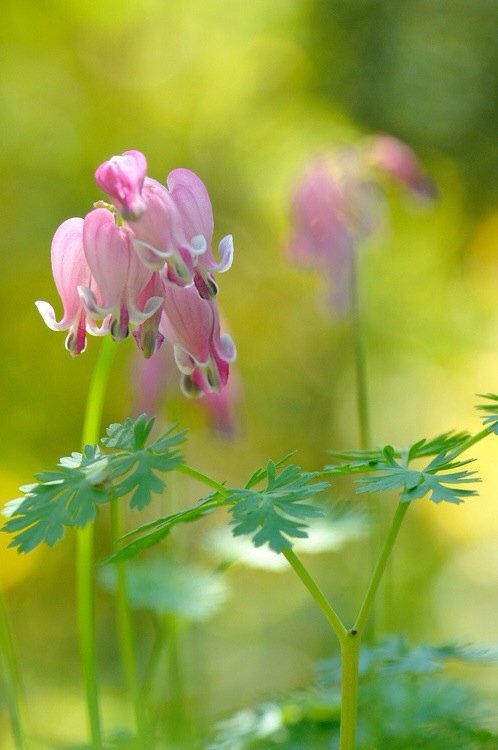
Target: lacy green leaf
{"x":359,"y":461}
{"x":69,"y":495}
{"x":129,"y":436}
{"x":272,"y":516}
{"x":134,"y":467}
{"x":490,"y":415}
{"x":277,"y":513}
{"x":438,"y":479}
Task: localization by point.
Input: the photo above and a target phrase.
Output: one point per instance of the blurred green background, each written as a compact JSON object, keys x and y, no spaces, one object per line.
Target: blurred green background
{"x":244,"y":93}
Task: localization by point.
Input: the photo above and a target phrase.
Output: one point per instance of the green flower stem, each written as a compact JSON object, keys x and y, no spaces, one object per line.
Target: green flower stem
{"x":350,"y":645}
{"x":332,"y":617}
{"x":180,"y":721}
{"x":473,"y":439}
{"x":379,"y":569}
{"x":200,"y":477}
{"x":154,"y":658}
{"x":376,"y":513}
{"x":13,"y":686}
{"x":84,"y":552}
{"x":350,"y":652}
{"x":84,"y":607}
{"x":126,"y":639}
{"x":360,"y":361}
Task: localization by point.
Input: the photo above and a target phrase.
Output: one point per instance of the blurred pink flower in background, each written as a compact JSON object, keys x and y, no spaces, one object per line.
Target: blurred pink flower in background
{"x":155,"y":379}
{"x":399,"y":162}
{"x":321,"y":238}
{"x":338,"y":203}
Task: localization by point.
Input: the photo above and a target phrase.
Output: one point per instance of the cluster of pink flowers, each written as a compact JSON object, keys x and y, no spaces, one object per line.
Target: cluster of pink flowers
{"x":145,"y":261}
{"x":338,"y":203}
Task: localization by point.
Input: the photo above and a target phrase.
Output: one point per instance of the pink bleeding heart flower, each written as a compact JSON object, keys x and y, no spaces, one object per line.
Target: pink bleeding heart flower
{"x":158,"y":236}
{"x":192,"y":325}
{"x":70,"y":270}
{"x":154,"y":379}
{"x":118,"y":272}
{"x":148,"y":337}
{"x":191,"y":199}
{"x":399,"y":162}
{"x":122,"y":178}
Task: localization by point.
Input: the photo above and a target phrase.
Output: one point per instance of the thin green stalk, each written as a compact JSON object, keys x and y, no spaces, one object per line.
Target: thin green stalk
{"x":377,"y":516}
{"x":13,"y":686}
{"x":180,"y":721}
{"x":380,"y":567}
{"x":350,"y":652}
{"x":154,"y":659}
{"x":84,"y":552}
{"x":202,"y":478}
{"x":332,"y":617}
{"x":319,"y":597}
{"x":360,"y":360}
{"x":126,"y":639}
{"x":473,"y":439}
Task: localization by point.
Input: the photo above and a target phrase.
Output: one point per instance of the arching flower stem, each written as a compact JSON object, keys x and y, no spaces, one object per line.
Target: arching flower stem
{"x":85,"y":571}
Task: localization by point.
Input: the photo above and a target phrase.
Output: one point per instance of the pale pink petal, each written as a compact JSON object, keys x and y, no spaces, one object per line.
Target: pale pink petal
{"x":69,"y":266}
{"x":188,"y":320}
{"x":107,"y":250}
{"x":192,"y":201}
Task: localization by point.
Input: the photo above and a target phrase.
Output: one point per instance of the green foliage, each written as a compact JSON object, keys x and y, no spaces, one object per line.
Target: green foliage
{"x":186,"y":591}
{"x":366,"y":460}
{"x":405,"y":704}
{"x":270,"y":515}
{"x":276,"y":512}
{"x":69,"y":495}
{"x":442,"y":479}
{"x":135,"y":464}
{"x":438,"y":479}
{"x":490,"y":417}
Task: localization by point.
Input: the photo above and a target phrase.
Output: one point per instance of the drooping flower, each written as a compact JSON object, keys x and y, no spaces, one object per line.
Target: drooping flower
{"x":154,"y":379}
{"x":338,"y":203}
{"x":147,"y":334}
{"x":192,"y":325}
{"x":122,"y":178}
{"x":192,"y":201}
{"x":147,"y":263}
{"x":158,"y":236}
{"x":118,"y":273}
{"x":70,"y":270}
{"x":399,"y":162}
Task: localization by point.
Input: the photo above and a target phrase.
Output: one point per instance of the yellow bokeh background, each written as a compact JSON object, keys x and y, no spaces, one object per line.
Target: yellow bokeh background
{"x":244,"y":94}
